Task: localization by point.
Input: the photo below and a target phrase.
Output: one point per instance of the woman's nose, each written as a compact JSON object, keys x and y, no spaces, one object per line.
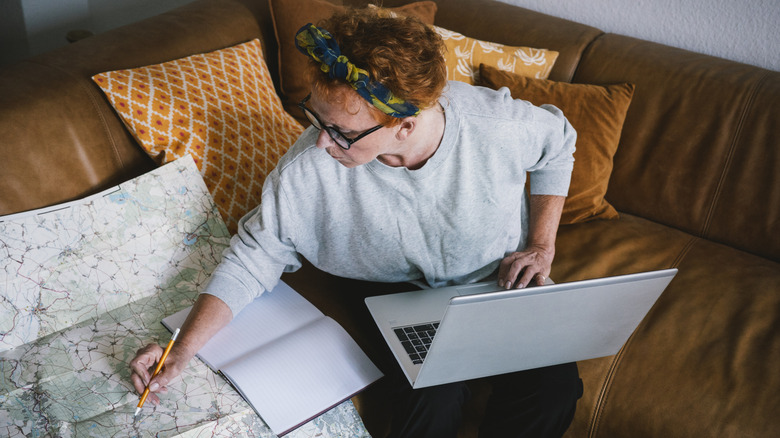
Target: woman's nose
{"x":324,"y":141}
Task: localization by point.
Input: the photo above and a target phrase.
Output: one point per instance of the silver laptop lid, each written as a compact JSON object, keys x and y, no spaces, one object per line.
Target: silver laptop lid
{"x":506,"y":331}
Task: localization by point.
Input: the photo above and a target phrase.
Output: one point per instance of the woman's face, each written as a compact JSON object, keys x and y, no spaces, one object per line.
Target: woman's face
{"x":350,"y":114}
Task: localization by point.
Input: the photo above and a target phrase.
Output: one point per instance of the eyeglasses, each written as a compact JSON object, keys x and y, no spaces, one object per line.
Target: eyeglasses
{"x":334,"y":133}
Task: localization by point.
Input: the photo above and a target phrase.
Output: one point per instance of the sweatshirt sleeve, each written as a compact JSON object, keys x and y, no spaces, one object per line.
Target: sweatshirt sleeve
{"x":544,"y":138}
{"x":259,"y":253}
{"x":551,"y":175}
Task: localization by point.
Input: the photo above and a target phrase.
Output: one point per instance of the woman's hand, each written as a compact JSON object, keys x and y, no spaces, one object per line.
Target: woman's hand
{"x":520,"y":268}
{"x":208,"y":315}
{"x":144,"y":363}
{"x":534,"y":263}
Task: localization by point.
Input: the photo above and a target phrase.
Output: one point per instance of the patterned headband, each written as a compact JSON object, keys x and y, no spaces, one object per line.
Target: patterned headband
{"x":318,"y":44}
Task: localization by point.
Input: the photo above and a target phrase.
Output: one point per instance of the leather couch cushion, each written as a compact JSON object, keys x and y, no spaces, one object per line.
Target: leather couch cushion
{"x":699,"y":145}
{"x":597,"y":113}
{"x":603,"y":248}
{"x":219,"y":107}
{"x":707,"y":349}
{"x":746,"y":213}
{"x":289,"y":16}
{"x":622,"y":246}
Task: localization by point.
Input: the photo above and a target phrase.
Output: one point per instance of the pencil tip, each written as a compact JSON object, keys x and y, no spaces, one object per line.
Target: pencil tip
{"x":137,"y":411}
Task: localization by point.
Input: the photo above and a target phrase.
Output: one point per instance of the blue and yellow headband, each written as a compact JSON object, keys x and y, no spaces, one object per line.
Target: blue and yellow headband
{"x":319,"y":45}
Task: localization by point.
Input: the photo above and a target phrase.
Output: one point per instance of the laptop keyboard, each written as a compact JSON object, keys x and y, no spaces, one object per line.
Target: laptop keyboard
{"x":416,"y":339}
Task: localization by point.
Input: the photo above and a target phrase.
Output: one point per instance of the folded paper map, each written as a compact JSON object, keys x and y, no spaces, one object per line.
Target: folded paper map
{"x":85,"y":284}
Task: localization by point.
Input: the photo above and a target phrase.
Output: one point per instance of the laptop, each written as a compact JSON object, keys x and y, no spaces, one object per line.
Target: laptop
{"x":465,"y":332}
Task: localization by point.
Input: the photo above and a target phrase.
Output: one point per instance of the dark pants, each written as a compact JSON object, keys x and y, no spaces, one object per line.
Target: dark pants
{"x":536,"y":403}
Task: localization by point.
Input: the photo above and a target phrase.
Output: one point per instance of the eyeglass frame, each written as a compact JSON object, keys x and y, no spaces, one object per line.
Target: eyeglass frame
{"x":333,"y":133}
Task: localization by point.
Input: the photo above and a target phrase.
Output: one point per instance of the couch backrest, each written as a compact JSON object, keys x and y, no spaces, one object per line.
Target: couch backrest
{"x":700,"y":148}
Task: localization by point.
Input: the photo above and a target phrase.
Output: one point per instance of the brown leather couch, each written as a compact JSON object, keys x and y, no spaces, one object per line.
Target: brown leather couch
{"x":696,"y":180}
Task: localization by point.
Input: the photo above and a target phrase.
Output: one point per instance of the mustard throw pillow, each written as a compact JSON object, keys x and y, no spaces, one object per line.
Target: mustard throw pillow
{"x":465,"y":55}
{"x":597,"y":113}
{"x":220,"y":107}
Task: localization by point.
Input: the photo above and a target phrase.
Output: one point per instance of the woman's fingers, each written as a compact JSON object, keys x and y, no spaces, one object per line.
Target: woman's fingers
{"x":143,"y":365}
{"x":519,"y":269}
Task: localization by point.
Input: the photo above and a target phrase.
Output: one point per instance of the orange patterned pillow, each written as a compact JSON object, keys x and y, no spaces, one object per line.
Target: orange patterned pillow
{"x":464,"y":55}
{"x":220,"y":107}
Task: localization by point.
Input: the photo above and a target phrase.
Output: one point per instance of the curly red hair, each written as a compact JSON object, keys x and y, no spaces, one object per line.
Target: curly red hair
{"x":402,"y":53}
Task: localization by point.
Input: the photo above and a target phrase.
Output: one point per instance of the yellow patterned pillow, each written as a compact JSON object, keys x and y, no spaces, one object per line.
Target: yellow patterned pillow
{"x":220,"y":107}
{"x":464,"y":55}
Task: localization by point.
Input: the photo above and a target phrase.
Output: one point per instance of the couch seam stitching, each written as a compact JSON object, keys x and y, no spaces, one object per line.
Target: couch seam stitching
{"x":604,"y":394}
{"x":686,"y":249}
{"x":730,"y":155}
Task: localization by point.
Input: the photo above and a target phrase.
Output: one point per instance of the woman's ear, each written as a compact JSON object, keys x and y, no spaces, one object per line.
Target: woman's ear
{"x":406,"y":128}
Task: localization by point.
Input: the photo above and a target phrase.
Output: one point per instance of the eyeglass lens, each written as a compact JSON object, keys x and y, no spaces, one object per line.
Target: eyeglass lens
{"x":334,"y":135}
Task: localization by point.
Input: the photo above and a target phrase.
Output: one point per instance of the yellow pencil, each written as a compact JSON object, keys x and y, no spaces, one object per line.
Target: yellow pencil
{"x":156,"y":371}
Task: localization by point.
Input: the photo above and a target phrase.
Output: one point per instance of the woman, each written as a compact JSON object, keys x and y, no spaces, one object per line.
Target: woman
{"x":403,"y":177}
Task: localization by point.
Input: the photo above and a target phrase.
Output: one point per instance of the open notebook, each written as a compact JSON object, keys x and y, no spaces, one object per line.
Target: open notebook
{"x":287,"y":359}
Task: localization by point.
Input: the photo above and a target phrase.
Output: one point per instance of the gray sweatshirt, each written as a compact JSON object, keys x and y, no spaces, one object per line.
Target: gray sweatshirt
{"x":449,"y":222}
